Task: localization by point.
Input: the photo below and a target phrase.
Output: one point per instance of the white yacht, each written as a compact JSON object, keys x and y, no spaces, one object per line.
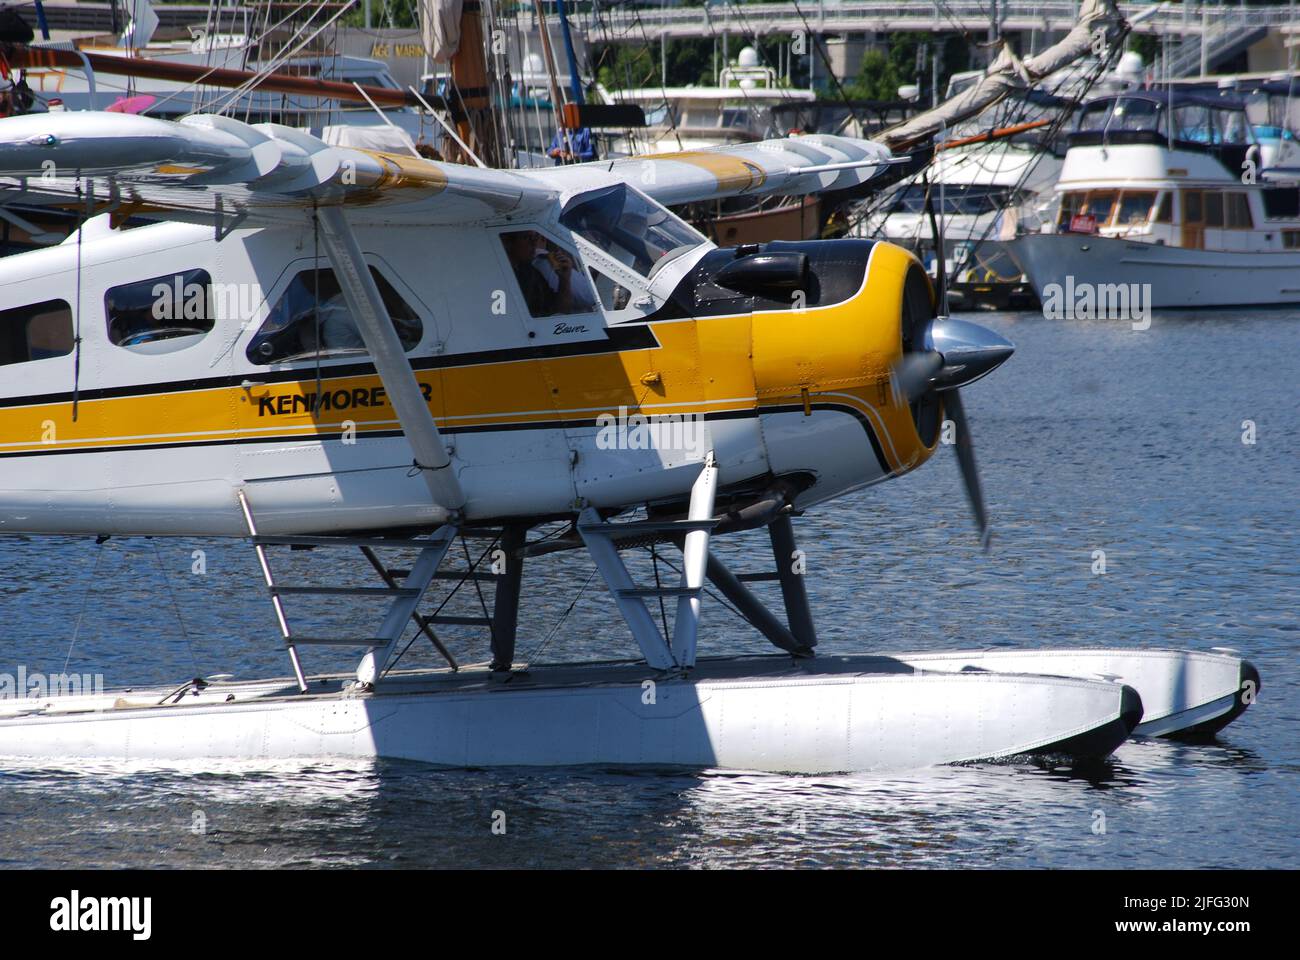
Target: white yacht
{"x":1169,"y":189}
{"x":737,"y":110}
{"x":989,"y":190}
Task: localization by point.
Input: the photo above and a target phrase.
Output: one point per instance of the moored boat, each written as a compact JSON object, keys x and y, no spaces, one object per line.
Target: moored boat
{"x":1164,"y":190}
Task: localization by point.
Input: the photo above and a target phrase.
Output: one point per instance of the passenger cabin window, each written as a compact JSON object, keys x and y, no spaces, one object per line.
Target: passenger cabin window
{"x":629,"y":227}
{"x":295,"y":329}
{"x":162,"y":308}
{"x":36,"y":332}
{"x":550,"y":278}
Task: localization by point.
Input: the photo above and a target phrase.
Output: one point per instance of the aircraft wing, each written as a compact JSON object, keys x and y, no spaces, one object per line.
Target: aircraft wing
{"x":215,"y":166}
{"x":209,"y":167}
{"x":788,"y":166}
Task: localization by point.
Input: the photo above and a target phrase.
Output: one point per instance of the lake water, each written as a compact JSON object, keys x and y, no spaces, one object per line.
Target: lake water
{"x":1093,"y":437}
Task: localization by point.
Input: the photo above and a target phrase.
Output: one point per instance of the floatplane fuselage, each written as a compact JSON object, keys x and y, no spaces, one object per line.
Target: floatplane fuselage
{"x":332,"y":347}
{"x":196,"y":376}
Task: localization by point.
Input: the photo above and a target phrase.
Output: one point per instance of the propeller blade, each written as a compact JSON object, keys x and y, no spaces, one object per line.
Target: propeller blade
{"x":966,"y":461}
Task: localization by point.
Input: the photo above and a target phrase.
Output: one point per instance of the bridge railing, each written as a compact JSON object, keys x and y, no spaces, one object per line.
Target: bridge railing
{"x":635,"y":23}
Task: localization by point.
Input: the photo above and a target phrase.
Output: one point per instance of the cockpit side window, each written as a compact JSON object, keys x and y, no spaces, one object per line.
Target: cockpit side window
{"x":296,"y":329}
{"x":550,"y":278}
{"x":630,"y":228}
{"x":613,"y":294}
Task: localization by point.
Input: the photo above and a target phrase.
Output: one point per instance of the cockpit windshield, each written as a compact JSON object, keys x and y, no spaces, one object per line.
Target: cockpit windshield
{"x":631,"y":228}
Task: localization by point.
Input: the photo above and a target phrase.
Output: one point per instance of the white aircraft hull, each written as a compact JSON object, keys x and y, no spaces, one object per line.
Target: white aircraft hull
{"x":830,"y":714}
{"x":1174,"y":276}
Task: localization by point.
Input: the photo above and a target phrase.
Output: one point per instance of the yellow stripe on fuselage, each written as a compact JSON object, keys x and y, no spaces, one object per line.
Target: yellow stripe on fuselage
{"x":839,"y":354}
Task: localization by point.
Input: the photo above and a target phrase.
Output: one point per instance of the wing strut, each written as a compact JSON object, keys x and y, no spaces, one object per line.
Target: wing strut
{"x":602,"y":540}
{"x":367,"y":306}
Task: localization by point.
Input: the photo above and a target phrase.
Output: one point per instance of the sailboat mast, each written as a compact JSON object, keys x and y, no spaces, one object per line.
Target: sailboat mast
{"x":472,"y":87}
{"x":574,"y":82}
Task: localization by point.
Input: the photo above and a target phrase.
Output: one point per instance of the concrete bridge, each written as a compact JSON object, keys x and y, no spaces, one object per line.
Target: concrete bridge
{"x":1196,"y":37}
{"x":633,"y":24}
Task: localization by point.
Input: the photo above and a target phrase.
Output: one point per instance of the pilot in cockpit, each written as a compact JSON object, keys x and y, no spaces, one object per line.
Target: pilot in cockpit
{"x":547,"y":275}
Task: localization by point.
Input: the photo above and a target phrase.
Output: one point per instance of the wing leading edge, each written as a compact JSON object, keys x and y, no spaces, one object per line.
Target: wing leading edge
{"x":264,"y":171}
{"x":790,"y":166}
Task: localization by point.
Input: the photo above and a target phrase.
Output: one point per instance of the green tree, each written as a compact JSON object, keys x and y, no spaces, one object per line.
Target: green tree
{"x":884,"y":71}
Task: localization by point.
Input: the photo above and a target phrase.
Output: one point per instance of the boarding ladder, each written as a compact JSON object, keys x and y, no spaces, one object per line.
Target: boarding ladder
{"x":404,"y":588}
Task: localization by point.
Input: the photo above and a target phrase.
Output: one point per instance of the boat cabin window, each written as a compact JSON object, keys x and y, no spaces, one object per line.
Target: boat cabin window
{"x":1233,"y":127}
{"x":1236,"y":211}
{"x":969,"y":199}
{"x":1084,"y":211}
{"x":1291,"y":239}
{"x":1281,"y":203}
{"x":1134,"y":208}
{"x":295,"y":329}
{"x":162,"y":308}
{"x":550,"y":278}
{"x":1099,"y":205}
{"x":1071,"y":204}
{"x":1135,"y":115}
{"x":1165,"y":214}
{"x":631,"y":228}
{"x":1093,"y":115}
{"x":737,"y":117}
{"x":1213,"y":208}
{"x":1231,"y":210}
{"x":1201,"y":123}
{"x":36,"y":332}
{"x":1192,"y":122}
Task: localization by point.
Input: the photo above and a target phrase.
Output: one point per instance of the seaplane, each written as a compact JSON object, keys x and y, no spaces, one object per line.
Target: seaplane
{"x":256,"y":334}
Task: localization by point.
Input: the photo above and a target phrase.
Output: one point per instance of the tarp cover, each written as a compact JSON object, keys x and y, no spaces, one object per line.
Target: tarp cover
{"x":377,"y":136}
{"x":440,"y":26}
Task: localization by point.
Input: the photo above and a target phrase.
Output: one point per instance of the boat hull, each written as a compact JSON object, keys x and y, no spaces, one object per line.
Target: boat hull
{"x":831,"y":714}
{"x":1178,"y":276}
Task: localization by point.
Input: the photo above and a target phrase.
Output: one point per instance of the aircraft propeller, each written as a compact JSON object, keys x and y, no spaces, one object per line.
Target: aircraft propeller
{"x":955,"y":353}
